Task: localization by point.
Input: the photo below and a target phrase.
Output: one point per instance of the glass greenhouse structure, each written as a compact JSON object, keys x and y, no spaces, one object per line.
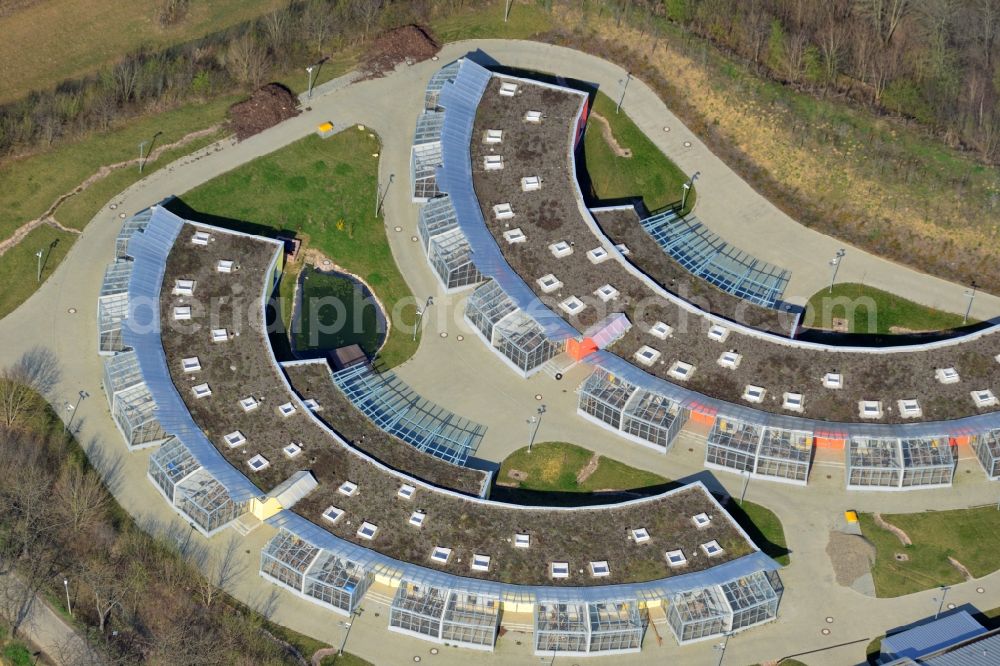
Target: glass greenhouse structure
{"x":133,"y":225}
{"x":121,"y":372}
{"x":987,"y":448}
{"x":720,"y":609}
{"x":425,"y":156}
{"x":316,"y":574}
{"x":513,"y":334}
{"x":190,"y":489}
{"x":584,"y":628}
{"x":641,"y":415}
{"x":448,"y":616}
{"x":398,"y":410}
{"x":434,"y":86}
{"x":134,"y":411}
{"x":887,"y":463}
{"x":447,"y":248}
{"x":112,"y":307}
{"x":766,"y":452}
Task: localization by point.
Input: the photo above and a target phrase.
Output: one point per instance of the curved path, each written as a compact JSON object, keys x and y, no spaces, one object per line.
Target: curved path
{"x":471,"y":380}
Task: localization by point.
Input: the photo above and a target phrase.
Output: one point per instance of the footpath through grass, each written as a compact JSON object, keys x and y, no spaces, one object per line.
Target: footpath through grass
{"x":871,"y":310}
{"x":647,"y":173}
{"x":555,"y":467}
{"x":970,"y":536}
{"x":322,"y":192}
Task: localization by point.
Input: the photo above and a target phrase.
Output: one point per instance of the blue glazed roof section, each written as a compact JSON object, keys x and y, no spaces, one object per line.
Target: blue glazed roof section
{"x":933,"y":636}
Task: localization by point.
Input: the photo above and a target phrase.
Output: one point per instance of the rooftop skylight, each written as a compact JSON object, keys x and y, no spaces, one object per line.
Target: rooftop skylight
{"x":311,"y":404}
{"x":480,"y":562}
{"x":182,"y":312}
{"x":718,"y":333}
{"x":561,"y":249}
{"x":201,"y":390}
{"x":286,"y":409}
{"x":201,"y":238}
{"x":661,"y":330}
{"x":405,"y":491}
{"x":531,"y":183}
{"x":947,"y":375}
{"x":909,"y":408}
{"x":348,"y":488}
{"x":640,"y":535}
{"x":870,"y":409}
{"x":249,"y":404}
{"x":701,"y":520}
{"x":533,"y":117}
{"x":559,"y":569}
{"x":225,"y":266}
{"x":681,"y":371}
{"x":522,"y":540}
{"x":597,"y":255}
{"x":549,"y":283}
{"x":258,"y":463}
{"x":600,"y":569}
{"x":220,"y":335}
{"x":291,"y":450}
{"x":730,"y":359}
{"x":792,"y":401}
{"x":833,"y":380}
{"x":647,"y":355}
{"x":332,"y":514}
{"x":984,"y":398}
{"x":514,"y":236}
{"x":754,"y":393}
{"x":493,"y":136}
{"x":367,"y":530}
{"x":675,"y":558}
{"x":184,"y":288}
{"x":606,"y":293}
{"x":623,"y":248}
{"x":712,"y":548}
{"x":503,"y":211}
{"x":441,"y":555}
{"x":493,"y":162}
{"x":572,"y":305}
{"x":508,"y":89}
{"x":234,"y":439}
{"x":417,"y":518}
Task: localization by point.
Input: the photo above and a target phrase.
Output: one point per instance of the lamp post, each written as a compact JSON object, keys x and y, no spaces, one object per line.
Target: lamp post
{"x":972,"y":296}
{"x":420,"y":316}
{"x":746,"y":483}
{"x":628,"y":77}
{"x":309,"y":90}
{"x":380,"y":195}
{"x":687,"y":188}
{"x":69,"y":606}
{"x":142,"y":146}
{"x":534,"y":423}
{"x":40,"y":254}
{"x":721,"y":647}
{"x":73,"y":409}
{"x":835,"y":263}
{"x":944,"y":593}
{"x":506,"y":10}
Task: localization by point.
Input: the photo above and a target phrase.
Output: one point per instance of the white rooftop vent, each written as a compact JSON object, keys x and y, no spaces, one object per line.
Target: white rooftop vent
{"x":947,"y":375}
{"x":405,"y":491}
{"x":675,"y":558}
{"x":332,"y":514}
{"x":533,"y":117}
{"x":503,"y":211}
{"x":730,"y":359}
{"x":600,"y":569}
{"x":441,"y":555}
{"x":234,"y":439}
{"x":640,"y":535}
{"x":712,"y":548}
{"x":493,"y":162}
{"x":870,"y":409}
{"x":606,"y":293}
{"x":661,"y":330}
{"x":249,"y":404}
{"x":531,"y":183}
{"x":984,"y":398}
{"x":201,"y":390}
{"x":508,"y":88}
{"x":997,"y":358}
{"x":647,"y":355}
{"x":754,"y":393}
{"x":291,"y":450}
{"x":701,"y":520}
{"x":572,"y":305}
{"x":480,"y":562}
{"x":910,"y":408}
{"x":258,"y":463}
{"x":286,"y":409}
{"x":367,"y":530}
{"x":792,"y":401}
{"x":549,"y":283}
{"x":348,"y":488}
{"x":559,"y":569}
{"x":514,"y":236}
{"x":184,"y":287}
{"x":201,"y":238}
{"x":718,"y":333}
{"x":417,"y":518}
{"x":833,"y":380}
{"x":219,"y":335}
{"x":681,"y":371}
{"x":311,"y":404}
{"x":522,"y":540}
{"x":623,"y":248}
{"x":597,"y":255}
{"x":182,"y":312}
{"x":225,"y":266}
{"x":494,"y":136}
{"x":561,"y":249}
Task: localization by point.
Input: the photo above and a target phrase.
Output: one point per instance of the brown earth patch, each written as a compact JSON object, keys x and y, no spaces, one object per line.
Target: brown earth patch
{"x":588,"y":469}
{"x":609,"y":136}
{"x":266,"y":107}
{"x":409,"y":44}
{"x":903,"y":537}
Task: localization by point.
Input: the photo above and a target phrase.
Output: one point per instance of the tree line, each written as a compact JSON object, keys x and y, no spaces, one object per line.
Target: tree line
{"x":139,"y":598}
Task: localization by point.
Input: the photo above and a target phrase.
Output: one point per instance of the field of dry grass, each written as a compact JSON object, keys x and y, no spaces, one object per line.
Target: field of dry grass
{"x":80,"y":36}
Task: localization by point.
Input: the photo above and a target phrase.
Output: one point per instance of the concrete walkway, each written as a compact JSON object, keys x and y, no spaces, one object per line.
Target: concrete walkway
{"x":48,"y":631}
{"x":468,"y":378}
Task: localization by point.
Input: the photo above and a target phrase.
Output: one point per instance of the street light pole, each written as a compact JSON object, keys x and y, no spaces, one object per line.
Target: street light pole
{"x":972,"y":297}
{"x":142,"y":146}
{"x":835,"y":262}
{"x":721,"y":647}
{"x":944,"y":592}
{"x":687,"y":187}
{"x":746,"y":483}
{"x":80,"y":398}
{"x":309,"y":90}
{"x":40,"y":254}
{"x":69,"y":606}
{"x":628,"y":77}
{"x":506,"y":10}
{"x":534,"y":423}
{"x":380,"y":195}
{"x":420,"y":316}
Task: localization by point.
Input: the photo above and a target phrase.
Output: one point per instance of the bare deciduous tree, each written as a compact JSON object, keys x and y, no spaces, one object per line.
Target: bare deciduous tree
{"x":80,"y":498}
{"x":247,"y":60}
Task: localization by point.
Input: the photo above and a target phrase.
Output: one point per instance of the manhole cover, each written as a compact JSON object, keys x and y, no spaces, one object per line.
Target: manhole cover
{"x":538,"y":396}
{"x":71,"y":311}
{"x":687,"y":144}
{"x":113,"y":206}
{"x":666,"y":129}
{"x":980,"y":590}
{"x":829,"y":620}
{"x":444,"y":334}
{"x":825,"y":632}
{"x":397,"y":229}
{"x":902,"y":557}
{"x":951,"y":606}
{"x":434,"y":58}
{"x":416,"y":658}
{"x":460,"y":337}
{"x":121,"y":215}
{"x":414,"y":239}
{"x":326,"y":262}
{"x":434,"y":650}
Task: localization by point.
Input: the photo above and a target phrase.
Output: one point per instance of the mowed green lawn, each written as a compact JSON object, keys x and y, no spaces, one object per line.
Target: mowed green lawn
{"x":971,"y":536}
{"x":871,"y":310}
{"x":323,"y":191}
{"x":647,"y":173}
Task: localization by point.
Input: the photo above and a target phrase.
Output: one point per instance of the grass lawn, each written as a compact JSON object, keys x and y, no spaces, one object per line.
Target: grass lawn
{"x":647,"y":173}
{"x":971,"y":536}
{"x":553,"y":467}
{"x":94,"y":33}
{"x":19,"y":265}
{"x":345,"y":659}
{"x":16,"y":654}
{"x":871,"y":310}
{"x":486,"y":21}
{"x":320,"y":190}
{"x":335,"y":304}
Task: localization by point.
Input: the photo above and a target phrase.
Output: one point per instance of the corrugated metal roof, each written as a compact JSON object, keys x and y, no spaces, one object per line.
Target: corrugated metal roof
{"x":978,"y":652}
{"x":933,"y":636}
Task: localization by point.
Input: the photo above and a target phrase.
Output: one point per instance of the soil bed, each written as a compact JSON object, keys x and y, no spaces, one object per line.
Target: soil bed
{"x":409,"y":44}
{"x":266,"y":107}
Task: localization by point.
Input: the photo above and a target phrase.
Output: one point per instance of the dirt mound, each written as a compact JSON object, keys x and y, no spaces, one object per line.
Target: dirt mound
{"x":267,"y":106}
{"x":410,"y":43}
